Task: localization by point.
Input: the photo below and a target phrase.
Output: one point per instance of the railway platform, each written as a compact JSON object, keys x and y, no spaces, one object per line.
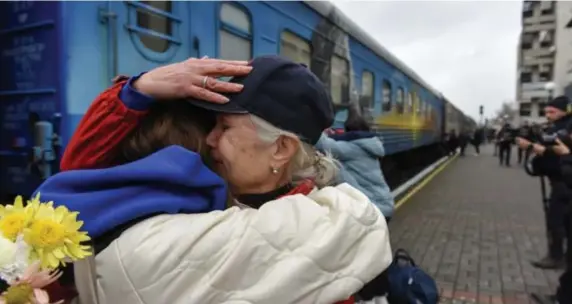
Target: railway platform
{"x":475,"y":226}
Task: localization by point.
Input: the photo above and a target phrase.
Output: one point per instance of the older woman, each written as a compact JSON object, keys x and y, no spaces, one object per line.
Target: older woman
{"x":291,"y":239}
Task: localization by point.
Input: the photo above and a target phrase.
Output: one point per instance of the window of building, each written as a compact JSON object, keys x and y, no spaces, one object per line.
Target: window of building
{"x":545,"y":72}
{"x":235,"y":33}
{"x":367,"y":87}
{"x":295,"y":48}
{"x":387,"y":92}
{"x":524,"y":109}
{"x":525,"y":77}
{"x":546,"y":38}
{"x":527,"y":9}
{"x":339,"y":79}
{"x":528,"y":40}
{"x":547,"y":7}
{"x":156,"y":23}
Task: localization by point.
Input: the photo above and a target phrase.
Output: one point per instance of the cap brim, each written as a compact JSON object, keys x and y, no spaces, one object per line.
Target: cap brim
{"x":229,"y":107}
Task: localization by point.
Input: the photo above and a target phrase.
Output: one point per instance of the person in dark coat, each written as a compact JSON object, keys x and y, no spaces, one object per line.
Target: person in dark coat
{"x":563,"y":294}
{"x":505,"y":138}
{"x":463,"y":142}
{"x":549,"y":164}
{"x":525,"y":131}
{"x":452,"y":142}
{"x":478,"y":137}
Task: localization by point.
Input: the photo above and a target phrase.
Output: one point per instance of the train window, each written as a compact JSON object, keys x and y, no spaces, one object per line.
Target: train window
{"x":339,"y":78}
{"x":295,"y":48}
{"x":157,"y":23}
{"x":367,"y":88}
{"x":386,"y":102}
{"x":235,"y":34}
{"x":399,"y":101}
{"x":416,"y":105}
{"x":409,"y":105}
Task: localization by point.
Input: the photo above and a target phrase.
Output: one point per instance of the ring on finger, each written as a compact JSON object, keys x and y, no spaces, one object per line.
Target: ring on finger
{"x":205,"y":81}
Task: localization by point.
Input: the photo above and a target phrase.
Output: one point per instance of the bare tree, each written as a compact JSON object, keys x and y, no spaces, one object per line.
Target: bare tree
{"x":507,"y":112}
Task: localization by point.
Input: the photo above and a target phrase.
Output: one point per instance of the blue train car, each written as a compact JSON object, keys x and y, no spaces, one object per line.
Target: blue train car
{"x":57,"y":56}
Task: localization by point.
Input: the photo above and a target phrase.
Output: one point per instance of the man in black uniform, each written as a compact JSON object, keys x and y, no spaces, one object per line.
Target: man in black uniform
{"x":563,"y":293}
{"x":525,"y":131}
{"x":505,"y":139}
{"x":549,"y":165}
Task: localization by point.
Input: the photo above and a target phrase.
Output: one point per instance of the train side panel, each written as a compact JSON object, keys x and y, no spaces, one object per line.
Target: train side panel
{"x":31,"y":84}
{"x":105,"y":39}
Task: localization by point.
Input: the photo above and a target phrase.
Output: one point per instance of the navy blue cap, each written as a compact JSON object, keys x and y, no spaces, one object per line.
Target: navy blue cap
{"x":286,"y":94}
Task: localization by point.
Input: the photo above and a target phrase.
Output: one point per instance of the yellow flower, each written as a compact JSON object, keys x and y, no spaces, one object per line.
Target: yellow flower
{"x":19,"y":294}
{"x":14,"y":218}
{"x":53,"y":235}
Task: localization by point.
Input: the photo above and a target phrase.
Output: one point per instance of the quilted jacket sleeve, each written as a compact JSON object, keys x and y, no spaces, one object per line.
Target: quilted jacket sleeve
{"x":319,"y":248}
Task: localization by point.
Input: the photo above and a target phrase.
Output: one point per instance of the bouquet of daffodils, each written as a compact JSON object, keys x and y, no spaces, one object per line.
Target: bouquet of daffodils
{"x":35,"y":239}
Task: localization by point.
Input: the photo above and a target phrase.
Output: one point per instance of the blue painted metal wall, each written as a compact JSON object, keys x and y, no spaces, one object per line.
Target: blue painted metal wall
{"x":30,"y":82}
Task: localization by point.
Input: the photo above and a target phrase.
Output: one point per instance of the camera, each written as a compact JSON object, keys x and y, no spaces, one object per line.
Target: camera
{"x":549,"y":139}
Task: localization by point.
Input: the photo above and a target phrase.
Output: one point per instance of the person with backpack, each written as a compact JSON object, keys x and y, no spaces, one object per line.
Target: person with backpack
{"x":360,"y":151}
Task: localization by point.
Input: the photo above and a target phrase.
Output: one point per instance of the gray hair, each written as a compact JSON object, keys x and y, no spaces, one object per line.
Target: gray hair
{"x":308,"y":163}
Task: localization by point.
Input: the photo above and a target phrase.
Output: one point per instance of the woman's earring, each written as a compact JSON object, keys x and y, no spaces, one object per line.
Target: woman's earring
{"x":275,"y":170}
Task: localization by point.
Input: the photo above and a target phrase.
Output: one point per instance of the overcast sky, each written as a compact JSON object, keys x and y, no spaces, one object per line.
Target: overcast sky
{"x":466,"y":50}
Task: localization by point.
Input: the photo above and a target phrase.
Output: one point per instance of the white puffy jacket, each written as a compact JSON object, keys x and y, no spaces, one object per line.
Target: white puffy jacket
{"x":319,"y":248}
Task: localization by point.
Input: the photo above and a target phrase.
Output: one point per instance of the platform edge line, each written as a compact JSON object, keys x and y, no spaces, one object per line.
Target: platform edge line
{"x":424,"y":182}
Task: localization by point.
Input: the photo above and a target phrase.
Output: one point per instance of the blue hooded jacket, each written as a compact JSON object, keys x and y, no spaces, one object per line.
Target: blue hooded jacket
{"x":359,"y":153}
{"x":172,"y":180}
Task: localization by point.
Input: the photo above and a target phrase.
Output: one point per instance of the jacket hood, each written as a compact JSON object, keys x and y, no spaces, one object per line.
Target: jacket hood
{"x":370,"y":142}
{"x":172,"y":180}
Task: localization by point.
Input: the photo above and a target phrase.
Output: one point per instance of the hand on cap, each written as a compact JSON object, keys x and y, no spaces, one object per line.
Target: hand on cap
{"x":193,"y":78}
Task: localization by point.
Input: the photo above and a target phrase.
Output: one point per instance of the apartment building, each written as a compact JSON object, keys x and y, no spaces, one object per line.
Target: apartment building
{"x":536,"y":59}
{"x":563,"y":60}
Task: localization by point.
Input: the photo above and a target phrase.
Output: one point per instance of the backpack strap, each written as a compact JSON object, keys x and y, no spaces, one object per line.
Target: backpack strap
{"x":86,"y":280}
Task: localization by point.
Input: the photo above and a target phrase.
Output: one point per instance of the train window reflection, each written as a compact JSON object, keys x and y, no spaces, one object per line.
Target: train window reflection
{"x":156,"y":23}
{"x":235,"y":33}
{"x":367,"y":88}
{"x":339,"y":79}
{"x":400,"y":101}
{"x":295,"y":48}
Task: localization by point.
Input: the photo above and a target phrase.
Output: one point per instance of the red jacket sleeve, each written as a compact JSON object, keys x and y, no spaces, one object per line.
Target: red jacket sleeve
{"x":106,"y":123}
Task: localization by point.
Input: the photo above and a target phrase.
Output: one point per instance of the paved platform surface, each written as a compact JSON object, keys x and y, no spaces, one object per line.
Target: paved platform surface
{"x":475,"y":227}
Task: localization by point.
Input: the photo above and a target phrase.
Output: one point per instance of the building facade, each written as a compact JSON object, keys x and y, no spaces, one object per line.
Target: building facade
{"x":563,"y":61}
{"x":536,"y":59}
{"x":544,"y":57}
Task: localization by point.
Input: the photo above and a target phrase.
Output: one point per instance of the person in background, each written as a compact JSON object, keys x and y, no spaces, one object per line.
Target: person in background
{"x":452,"y":142}
{"x":563,"y":294}
{"x":359,"y":150}
{"x":478,"y":138}
{"x":505,"y":138}
{"x":464,"y":140}
{"x":549,"y":165}
{"x":525,"y":131}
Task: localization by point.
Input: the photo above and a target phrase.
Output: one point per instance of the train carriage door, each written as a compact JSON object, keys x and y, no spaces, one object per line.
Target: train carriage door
{"x":141,"y":35}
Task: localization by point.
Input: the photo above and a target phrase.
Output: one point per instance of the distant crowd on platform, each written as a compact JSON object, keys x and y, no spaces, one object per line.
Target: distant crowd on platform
{"x":453,"y":141}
